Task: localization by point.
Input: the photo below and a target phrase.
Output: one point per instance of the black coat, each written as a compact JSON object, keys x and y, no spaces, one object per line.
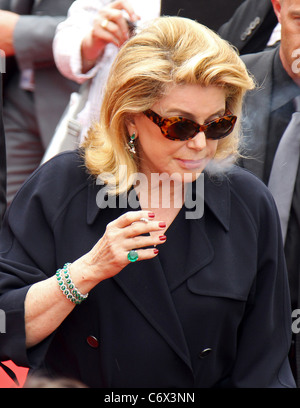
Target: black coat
{"x":232,"y":327}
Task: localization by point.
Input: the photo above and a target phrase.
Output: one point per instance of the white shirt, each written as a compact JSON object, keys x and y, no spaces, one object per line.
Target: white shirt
{"x":67,"y":50}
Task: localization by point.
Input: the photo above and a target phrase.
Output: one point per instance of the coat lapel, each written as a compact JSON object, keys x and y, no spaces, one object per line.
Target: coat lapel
{"x":147,"y":288}
{"x":200,"y":251}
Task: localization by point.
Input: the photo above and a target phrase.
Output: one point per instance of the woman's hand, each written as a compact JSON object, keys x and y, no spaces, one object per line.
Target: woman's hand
{"x":110,"y":26}
{"x":45,"y":305}
{"x":109,"y":256}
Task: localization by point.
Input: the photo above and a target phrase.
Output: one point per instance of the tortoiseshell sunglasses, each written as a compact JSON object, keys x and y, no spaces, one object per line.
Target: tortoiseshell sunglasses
{"x":179,"y":128}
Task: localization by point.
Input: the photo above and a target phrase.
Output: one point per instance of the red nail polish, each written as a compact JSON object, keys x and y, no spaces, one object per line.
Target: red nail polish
{"x":156,"y":251}
{"x":151,"y":215}
{"x":162,"y":225}
{"x":162,"y":238}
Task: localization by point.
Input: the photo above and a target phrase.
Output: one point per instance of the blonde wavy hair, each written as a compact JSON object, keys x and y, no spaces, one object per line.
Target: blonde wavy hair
{"x":171,"y":50}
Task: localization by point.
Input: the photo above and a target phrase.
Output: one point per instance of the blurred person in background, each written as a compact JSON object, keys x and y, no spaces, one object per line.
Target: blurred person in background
{"x":271,"y":143}
{"x":253,"y":27}
{"x":35,"y":93}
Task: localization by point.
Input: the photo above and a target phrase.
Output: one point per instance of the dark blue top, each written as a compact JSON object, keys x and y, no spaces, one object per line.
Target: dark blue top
{"x":221,"y":318}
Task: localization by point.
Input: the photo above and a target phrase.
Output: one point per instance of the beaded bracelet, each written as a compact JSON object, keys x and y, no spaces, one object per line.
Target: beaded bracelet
{"x":67,"y":286}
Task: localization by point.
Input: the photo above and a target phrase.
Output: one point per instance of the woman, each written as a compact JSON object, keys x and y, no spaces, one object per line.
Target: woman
{"x":208,"y":306}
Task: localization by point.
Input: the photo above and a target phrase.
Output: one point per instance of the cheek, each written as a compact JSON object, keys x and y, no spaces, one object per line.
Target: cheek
{"x":291,"y":39}
{"x":152,"y":142}
{"x":159,"y":152}
{"x":212,"y":146}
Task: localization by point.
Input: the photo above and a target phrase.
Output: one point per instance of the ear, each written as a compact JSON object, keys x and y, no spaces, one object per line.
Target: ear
{"x":130,"y":124}
{"x":277,"y":8}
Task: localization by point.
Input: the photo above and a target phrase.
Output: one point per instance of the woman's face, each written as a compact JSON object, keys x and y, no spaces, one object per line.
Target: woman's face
{"x":158,"y":154}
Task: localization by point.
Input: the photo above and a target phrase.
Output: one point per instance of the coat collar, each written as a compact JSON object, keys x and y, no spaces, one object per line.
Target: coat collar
{"x":216,"y":197}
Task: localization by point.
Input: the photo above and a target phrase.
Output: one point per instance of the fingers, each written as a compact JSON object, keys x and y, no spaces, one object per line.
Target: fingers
{"x":123,"y":242}
{"x":134,"y":216}
{"x":145,"y":241}
{"x":141,"y":254}
{"x":106,"y":31}
{"x":111,"y":25}
{"x":122,"y":236}
{"x":139,"y":228}
{"x":130,"y":229}
{"x":136,"y":223}
{"x":112,"y":22}
{"x":125,"y":5}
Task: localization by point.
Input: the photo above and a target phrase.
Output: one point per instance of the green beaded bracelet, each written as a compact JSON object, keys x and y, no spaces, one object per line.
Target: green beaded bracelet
{"x":72,"y":288}
{"x":63,"y":288}
{"x":67,"y":286}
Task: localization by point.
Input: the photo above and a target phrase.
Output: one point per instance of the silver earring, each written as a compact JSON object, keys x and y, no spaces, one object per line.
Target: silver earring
{"x":130,"y":144}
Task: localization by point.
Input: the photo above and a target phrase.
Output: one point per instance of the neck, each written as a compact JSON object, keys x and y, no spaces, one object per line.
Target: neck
{"x":160,"y":191}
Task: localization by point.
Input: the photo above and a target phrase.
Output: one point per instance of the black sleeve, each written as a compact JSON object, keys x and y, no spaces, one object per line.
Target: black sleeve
{"x":266,"y":329}
{"x":28,"y":249}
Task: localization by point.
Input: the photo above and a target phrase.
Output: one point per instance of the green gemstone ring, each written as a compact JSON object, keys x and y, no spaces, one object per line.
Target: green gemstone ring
{"x":132,"y":256}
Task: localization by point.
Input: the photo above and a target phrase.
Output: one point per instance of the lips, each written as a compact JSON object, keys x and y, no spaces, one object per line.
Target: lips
{"x":193,"y":164}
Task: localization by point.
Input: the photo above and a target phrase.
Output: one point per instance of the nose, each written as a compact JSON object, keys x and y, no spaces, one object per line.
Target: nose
{"x":198,"y":142}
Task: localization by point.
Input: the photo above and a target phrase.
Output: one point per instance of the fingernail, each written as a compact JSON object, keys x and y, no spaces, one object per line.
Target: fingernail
{"x":162,"y":225}
{"x":156,"y":251}
{"x":162,"y":238}
{"x":151,"y":215}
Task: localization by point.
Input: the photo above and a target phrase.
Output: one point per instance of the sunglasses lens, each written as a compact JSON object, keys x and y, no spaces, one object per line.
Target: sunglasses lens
{"x":178,"y":128}
{"x":220,"y":128}
{"x":181,"y":130}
